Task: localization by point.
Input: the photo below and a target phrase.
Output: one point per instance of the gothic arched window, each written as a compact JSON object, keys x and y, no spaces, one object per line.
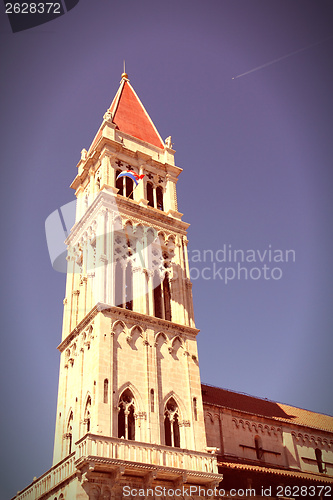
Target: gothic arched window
{"x":171,"y":424}
{"x":126,"y":416}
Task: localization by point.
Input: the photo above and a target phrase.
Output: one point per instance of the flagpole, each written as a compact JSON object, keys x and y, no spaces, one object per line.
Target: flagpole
{"x":131,"y":192}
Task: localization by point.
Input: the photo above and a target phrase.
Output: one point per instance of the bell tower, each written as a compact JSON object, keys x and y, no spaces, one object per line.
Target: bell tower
{"x":129,"y":402}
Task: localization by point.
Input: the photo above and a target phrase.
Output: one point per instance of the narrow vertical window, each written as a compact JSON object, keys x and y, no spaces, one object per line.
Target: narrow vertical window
{"x":166,"y":297}
{"x":258,"y":447}
{"x":121,"y":422}
{"x":131,"y":423}
{"x":159,"y":198}
{"x":147,"y":293}
{"x":158,"y":301}
{"x":157,"y":295}
{"x":120,"y":183}
{"x":152,"y":400}
{"x":176,"y":435}
{"x":119,"y":285}
{"x":319,"y":458}
{"x":195,"y":409}
{"x":129,"y":287}
{"x":167,"y":431}
{"x":129,"y":188}
{"x":87,"y":416}
{"x":150,"y":194}
{"x":106,"y":391}
{"x":69,"y":433}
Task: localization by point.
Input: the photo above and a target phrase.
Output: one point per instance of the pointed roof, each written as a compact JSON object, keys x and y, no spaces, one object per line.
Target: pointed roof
{"x":130,"y":116}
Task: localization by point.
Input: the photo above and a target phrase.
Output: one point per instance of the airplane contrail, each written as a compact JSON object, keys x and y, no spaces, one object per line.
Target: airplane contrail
{"x":280,"y":58}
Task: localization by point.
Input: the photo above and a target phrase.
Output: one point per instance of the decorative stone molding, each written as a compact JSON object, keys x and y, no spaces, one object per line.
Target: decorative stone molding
{"x":256,"y":427}
{"x":310,"y":438}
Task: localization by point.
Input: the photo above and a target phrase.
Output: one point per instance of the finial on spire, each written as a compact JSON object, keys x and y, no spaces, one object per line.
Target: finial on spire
{"x":124,"y":75}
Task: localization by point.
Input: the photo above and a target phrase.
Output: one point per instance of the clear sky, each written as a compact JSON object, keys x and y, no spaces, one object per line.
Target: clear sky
{"x":256,"y":153}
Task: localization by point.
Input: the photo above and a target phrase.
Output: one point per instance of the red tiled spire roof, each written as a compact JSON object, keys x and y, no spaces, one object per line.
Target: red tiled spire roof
{"x":131,"y":117}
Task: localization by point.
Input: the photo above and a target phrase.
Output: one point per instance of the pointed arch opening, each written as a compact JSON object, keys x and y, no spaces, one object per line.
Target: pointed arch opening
{"x":171,"y":424}
{"x":126,"y":415}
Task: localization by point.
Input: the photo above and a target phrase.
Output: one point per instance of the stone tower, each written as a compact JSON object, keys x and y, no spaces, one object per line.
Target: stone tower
{"x":129,"y":407}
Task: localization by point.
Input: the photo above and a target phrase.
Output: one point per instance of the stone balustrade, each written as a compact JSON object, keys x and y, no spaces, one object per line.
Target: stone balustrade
{"x":145,"y":453}
{"x":93,"y":446}
{"x":53,"y":477}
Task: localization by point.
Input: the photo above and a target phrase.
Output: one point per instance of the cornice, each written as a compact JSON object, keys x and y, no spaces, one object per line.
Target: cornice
{"x":118,"y":148}
{"x":138,"y":319}
{"x":130,"y":209}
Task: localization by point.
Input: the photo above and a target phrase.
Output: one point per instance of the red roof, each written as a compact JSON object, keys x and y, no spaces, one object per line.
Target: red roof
{"x":279,"y":472}
{"x":131,"y":117}
{"x":265,"y":408}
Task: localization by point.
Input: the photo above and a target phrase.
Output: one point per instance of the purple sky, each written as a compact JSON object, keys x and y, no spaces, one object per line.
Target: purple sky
{"x":257,"y":157}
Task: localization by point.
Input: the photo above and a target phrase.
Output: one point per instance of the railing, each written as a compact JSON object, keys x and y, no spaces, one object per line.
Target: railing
{"x":93,"y":445}
{"x":49,"y":480}
{"x":145,"y":453}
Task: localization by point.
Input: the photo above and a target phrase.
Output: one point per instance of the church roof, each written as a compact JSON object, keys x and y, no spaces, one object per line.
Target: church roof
{"x":265,"y":408}
{"x":130,"y":116}
{"x":275,"y":471}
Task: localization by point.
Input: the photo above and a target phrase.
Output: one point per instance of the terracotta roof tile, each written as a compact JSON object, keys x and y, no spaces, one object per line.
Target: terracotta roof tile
{"x":279,"y":472}
{"x":131,"y":117}
{"x":265,"y":408}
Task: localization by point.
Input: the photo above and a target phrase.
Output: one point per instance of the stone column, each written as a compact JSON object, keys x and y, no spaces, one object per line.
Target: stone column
{"x":139,"y":192}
